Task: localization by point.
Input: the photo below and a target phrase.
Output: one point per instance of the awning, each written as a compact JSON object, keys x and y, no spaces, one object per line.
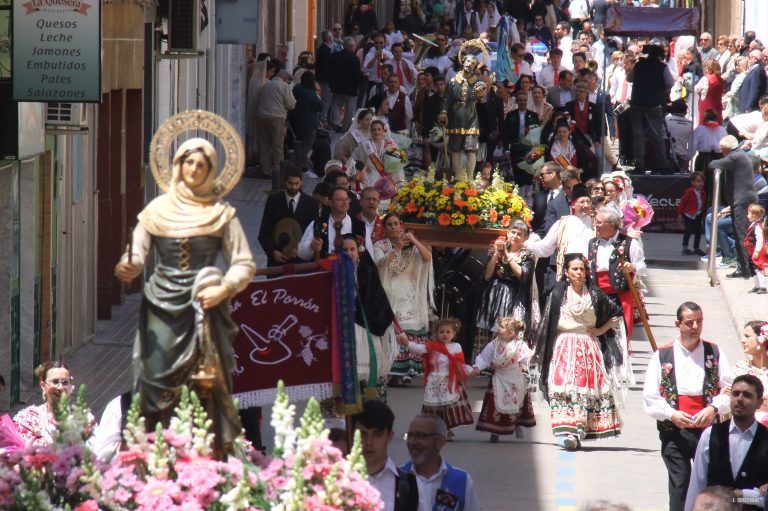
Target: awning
{"x":651,"y":21}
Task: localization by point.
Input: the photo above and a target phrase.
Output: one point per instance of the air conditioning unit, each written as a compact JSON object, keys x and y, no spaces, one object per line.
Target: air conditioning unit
{"x":183,"y":26}
{"x":68,"y":115}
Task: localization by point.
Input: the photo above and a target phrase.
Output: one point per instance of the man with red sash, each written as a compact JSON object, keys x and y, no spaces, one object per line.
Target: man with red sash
{"x":610,"y":253}
{"x":682,"y":392}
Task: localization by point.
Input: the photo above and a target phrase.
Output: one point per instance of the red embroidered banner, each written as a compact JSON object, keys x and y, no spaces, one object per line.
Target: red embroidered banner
{"x":285,"y":333}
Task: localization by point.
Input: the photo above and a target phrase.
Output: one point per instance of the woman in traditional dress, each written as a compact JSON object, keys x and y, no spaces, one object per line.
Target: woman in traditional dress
{"x":570,"y":348}
{"x":613,"y":188}
{"x":405,"y":269}
{"x":358,"y":133}
{"x":539,"y":104}
{"x":372,"y":152}
{"x":36,"y":424}
{"x":511,"y":287}
{"x":190,"y":226}
{"x":754,"y":342}
{"x":376,"y":343}
{"x":570,"y":151}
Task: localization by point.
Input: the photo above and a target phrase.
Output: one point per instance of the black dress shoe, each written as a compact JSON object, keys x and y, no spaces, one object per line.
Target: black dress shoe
{"x":737,"y":274}
{"x":754,"y":290}
{"x":761,"y":291}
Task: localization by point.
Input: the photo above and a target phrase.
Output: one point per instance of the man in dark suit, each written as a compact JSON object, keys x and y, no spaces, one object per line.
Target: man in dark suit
{"x":560,"y":205}
{"x":323,"y":71}
{"x":552,"y":188}
{"x":739,"y":187}
{"x":289,"y":203}
{"x":559,"y":95}
{"x":755,"y":84}
{"x":345,"y":80}
{"x":323,"y":235}
{"x":516,"y":126}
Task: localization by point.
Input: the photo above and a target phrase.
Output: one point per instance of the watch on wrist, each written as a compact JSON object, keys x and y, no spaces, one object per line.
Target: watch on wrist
{"x":716,"y":409}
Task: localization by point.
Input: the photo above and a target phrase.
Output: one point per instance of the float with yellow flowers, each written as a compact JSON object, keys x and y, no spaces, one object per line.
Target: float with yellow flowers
{"x":463,"y":213}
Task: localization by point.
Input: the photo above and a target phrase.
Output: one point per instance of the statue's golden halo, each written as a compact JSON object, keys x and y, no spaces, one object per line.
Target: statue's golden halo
{"x":481,"y":49}
{"x":160,"y":157}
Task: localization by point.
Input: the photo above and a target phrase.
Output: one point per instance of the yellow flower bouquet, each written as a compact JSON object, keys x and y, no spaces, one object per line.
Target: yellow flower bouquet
{"x":459,"y":205}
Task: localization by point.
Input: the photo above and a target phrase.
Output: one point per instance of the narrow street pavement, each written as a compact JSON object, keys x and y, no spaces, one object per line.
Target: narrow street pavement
{"x":533,"y":473}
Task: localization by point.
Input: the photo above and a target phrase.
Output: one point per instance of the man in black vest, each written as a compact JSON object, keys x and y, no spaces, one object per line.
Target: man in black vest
{"x":288,"y":203}
{"x":323,"y":235}
{"x":650,"y":90}
{"x":682,"y":402}
{"x":733,"y":453}
{"x":605,"y":252}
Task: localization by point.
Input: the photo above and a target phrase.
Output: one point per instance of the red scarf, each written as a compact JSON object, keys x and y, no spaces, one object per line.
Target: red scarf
{"x":456,"y":374}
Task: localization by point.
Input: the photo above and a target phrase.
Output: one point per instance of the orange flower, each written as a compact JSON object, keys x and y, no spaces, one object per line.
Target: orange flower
{"x":448,"y":207}
{"x":472,"y":219}
{"x":444,"y":219}
{"x":471,"y":192}
{"x":447,"y":191}
{"x":505,"y":220}
{"x":460,"y":203}
{"x":494,"y":216}
{"x":411,"y":207}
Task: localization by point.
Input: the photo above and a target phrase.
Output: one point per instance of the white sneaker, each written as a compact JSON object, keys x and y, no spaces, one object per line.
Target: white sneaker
{"x":571,"y":443}
{"x":310,"y":174}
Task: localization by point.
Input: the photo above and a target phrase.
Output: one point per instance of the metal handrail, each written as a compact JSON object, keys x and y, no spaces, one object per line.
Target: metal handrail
{"x":712,"y":262}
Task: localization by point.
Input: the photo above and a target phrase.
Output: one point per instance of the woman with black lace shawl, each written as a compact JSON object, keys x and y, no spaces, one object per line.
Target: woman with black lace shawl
{"x":575,"y":351}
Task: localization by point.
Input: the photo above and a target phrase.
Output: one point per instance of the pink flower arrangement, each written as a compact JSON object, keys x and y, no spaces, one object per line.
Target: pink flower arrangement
{"x":637,"y":213}
{"x":174,"y":469}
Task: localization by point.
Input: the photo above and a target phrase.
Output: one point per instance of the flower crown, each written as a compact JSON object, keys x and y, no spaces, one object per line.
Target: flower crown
{"x":763,"y":335}
{"x":617,"y":181}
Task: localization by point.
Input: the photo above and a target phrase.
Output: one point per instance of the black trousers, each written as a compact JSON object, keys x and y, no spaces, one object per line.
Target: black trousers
{"x":678,"y":449}
{"x":626,"y":149}
{"x":740,"y":224}
{"x":693,"y":226}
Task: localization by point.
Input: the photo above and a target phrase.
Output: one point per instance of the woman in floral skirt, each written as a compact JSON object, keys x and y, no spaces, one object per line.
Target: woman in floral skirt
{"x":574,"y":334}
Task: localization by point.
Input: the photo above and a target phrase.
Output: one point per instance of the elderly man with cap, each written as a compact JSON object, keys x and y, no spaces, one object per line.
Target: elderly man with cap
{"x":570,"y":234}
{"x":739,"y":187}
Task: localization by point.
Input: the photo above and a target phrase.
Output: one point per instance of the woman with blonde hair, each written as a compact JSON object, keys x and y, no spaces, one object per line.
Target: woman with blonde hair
{"x":709,"y":89}
{"x":731,"y":98}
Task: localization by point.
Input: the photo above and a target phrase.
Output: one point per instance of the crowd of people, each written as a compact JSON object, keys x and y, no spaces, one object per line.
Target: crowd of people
{"x":554,"y":300}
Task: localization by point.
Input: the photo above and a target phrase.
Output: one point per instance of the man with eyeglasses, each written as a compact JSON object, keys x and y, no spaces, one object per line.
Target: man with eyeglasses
{"x":338,"y":41}
{"x":754,"y":85}
{"x":323,"y":235}
{"x":438,"y":482}
{"x":706,"y":49}
{"x":398,"y":488}
{"x":683,"y":392}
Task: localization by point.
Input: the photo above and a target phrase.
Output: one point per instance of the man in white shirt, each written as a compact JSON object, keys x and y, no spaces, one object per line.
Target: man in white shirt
{"x":563,"y":36}
{"x":374,"y":228}
{"x":519,"y":66}
{"x":436,"y":479}
{"x":404,"y":69}
{"x":569,"y":234}
{"x":376,"y":57}
{"x":326,"y":237}
{"x":549,"y":75}
{"x":605,"y":250}
{"x":733,"y":453}
{"x":682,"y":391}
{"x":399,"y":489}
